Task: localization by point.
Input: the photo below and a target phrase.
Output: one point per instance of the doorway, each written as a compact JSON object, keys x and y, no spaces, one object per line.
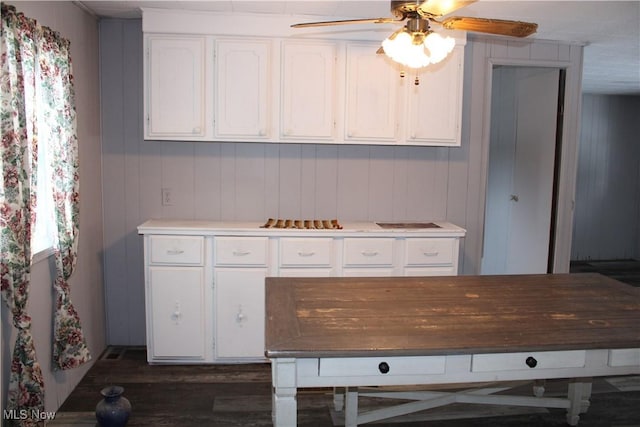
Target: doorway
{"x":521,"y":183}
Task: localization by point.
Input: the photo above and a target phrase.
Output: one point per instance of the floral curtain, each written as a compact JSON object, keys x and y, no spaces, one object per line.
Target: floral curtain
{"x":18,"y":162}
{"x":58,"y":107}
{"x":38,"y":107}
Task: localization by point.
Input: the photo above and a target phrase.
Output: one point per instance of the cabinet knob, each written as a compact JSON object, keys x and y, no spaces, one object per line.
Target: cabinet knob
{"x":531,"y":362}
{"x":240,"y":317}
{"x":369,"y":253}
{"x":306,"y":253}
{"x":196,"y":130}
{"x":176,"y":316}
{"x":383,"y":367}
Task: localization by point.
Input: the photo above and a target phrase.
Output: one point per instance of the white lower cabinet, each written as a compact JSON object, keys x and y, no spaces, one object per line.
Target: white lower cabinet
{"x":176,"y":320}
{"x":239,"y":313}
{"x":205,"y":286}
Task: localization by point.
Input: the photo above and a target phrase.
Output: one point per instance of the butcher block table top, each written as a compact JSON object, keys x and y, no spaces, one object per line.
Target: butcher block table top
{"x":407,"y":316}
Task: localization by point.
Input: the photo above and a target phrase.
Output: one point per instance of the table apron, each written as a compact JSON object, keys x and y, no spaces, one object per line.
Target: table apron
{"x":451,"y":369}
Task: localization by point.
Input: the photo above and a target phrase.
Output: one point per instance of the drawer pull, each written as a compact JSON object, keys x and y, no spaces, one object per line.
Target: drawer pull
{"x":383,"y":367}
{"x":369,"y":253}
{"x":175,"y":251}
{"x":240,"y":252}
{"x":531,"y":362}
{"x":306,"y":254}
{"x":430,"y":253}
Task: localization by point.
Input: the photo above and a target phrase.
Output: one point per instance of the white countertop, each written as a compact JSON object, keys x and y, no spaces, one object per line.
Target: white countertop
{"x":359,"y":228}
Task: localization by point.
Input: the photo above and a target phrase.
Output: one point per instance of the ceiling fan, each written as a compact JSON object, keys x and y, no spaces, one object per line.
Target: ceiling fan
{"x":415,"y":45}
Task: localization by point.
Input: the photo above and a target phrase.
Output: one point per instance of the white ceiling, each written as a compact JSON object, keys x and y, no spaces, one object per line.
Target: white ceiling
{"x":610,"y":30}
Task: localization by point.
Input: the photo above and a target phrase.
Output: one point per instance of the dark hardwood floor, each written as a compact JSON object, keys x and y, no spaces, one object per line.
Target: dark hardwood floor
{"x":239,"y":395}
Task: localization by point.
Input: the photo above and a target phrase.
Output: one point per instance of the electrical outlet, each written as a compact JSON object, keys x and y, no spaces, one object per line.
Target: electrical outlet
{"x":167,"y":197}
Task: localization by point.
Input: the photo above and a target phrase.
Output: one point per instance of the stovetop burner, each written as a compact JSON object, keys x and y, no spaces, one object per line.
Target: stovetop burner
{"x":410,"y":225}
{"x":307,"y":224}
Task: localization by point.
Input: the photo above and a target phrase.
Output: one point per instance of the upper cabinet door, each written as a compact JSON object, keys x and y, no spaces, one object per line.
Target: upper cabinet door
{"x":175,"y":89}
{"x":308,"y":90}
{"x":243,"y":79}
{"x":372,"y":88}
{"x":435,"y":105}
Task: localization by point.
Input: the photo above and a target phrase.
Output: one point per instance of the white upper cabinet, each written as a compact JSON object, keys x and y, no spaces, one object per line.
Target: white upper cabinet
{"x":434,"y":106}
{"x":176,"y":88}
{"x":308,"y":86}
{"x":371,"y":112}
{"x":243,"y":93}
{"x":264,"y":82}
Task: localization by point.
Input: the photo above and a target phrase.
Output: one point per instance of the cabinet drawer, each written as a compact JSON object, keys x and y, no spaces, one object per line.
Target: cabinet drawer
{"x":429,"y":251}
{"x":624,"y":357}
{"x":241,"y":250}
{"x":176,"y":249}
{"x":379,"y":366}
{"x":531,"y":360}
{"x":301,"y":251}
{"x":368,"y":252}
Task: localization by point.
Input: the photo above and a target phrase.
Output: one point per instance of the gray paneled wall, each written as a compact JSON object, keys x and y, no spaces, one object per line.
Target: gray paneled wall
{"x":240,"y":181}
{"x":607,"y":218}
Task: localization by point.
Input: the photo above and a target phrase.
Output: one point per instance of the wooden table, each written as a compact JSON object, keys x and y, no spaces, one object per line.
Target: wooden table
{"x":354,"y":332}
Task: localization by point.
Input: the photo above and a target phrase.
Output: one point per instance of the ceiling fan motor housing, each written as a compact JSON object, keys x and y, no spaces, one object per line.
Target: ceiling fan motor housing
{"x":406,"y":8}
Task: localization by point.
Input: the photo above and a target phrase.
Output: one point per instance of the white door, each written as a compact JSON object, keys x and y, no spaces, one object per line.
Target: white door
{"x":521,"y":170}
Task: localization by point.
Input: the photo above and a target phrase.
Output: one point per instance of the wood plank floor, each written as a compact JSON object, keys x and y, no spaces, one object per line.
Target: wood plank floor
{"x":239,"y":395}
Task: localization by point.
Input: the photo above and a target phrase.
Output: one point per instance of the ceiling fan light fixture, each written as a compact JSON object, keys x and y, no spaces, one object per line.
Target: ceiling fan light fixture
{"x":415,"y":50}
{"x":439,"y":47}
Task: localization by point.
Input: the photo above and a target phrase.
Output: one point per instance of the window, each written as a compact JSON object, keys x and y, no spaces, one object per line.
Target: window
{"x":43,"y":233}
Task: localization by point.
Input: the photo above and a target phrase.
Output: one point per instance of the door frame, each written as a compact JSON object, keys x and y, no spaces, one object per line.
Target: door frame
{"x":564,"y":179}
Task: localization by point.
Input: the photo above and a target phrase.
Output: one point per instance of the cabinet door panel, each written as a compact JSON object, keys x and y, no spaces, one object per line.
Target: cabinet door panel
{"x":177,"y":312}
{"x":372,"y":87}
{"x":308,"y":90}
{"x":176,"y":87}
{"x":435,"y":105}
{"x":240,"y":312}
{"x":243,"y":78}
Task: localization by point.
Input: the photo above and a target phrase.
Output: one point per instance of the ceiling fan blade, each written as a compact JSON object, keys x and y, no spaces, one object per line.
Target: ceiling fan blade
{"x":491,"y":26}
{"x":442,"y":7}
{"x":346,"y":21}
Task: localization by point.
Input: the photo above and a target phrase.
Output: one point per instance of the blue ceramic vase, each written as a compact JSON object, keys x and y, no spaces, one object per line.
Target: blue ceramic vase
{"x":114,"y":409}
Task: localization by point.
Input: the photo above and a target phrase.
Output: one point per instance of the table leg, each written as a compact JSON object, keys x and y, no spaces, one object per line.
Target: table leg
{"x":338,"y":399}
{"x":351,"y":407}
{"x":284,"y":405}
{"x":579,"y":394}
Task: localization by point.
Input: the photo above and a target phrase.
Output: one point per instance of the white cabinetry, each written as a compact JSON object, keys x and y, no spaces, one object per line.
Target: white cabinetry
{"x":369,"y":257}
{"x":371,"y":112}
{"x":240,"y":267}
{"x":217,"y":77}
{"x":176,"y":302}
{"x":205,"y":281}
{"x":434,"y":107}
{"x":243,"y":89}
{"x":430,"y":257}
{"x":308,"y":86}
{"x":177,"y":88}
